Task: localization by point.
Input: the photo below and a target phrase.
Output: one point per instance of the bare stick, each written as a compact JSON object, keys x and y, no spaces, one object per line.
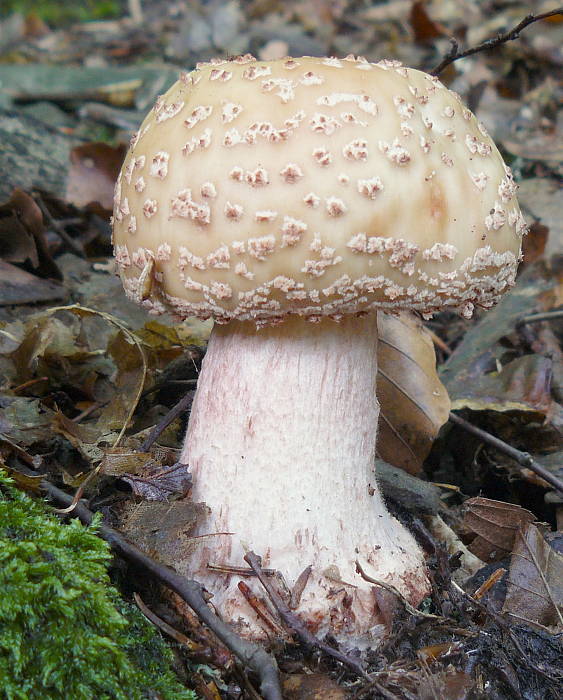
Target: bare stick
{"x":59,"y":228}
{"x":295,"y":623}
{"x":523,"y":458}
{"x":252,"y":655}
{"x":391,"y":589}
{"x":454,"y":54}
{"x":182,"y":405}
{"x":536,"y":318}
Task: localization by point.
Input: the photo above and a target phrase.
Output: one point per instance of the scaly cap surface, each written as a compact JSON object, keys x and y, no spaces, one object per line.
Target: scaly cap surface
{"x":317,"y":187}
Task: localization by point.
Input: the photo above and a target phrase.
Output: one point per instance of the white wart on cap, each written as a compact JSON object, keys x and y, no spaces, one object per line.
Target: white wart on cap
{"x":316,"y":187}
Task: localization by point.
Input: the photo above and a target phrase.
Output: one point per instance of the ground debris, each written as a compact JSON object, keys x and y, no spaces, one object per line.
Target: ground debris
{"x":87,"y":389}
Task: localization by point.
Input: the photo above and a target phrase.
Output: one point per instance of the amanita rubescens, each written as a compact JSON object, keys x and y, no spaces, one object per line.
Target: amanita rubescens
{"x":289,"y":201}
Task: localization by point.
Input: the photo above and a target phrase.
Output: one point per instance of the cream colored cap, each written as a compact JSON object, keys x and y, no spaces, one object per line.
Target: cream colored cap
{"x":317,"y":187}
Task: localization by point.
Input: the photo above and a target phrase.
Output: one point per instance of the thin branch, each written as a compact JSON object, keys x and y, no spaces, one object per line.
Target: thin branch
{"x":251,"y":655}
{"x":523,"y":458}
{"x":454,"y":54}
{"x":536,"y":318}
{"x":59,"y":228}
{"x":505,"y":627}
{"x":295,"y":623}
{"x":391,"y":589}
{"x":177,"y":410}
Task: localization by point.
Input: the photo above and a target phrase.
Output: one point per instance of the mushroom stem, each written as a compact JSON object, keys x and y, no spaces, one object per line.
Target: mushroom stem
{"x":281,"y":446}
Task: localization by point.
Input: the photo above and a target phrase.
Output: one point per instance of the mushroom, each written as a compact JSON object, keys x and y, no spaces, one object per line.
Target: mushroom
{"x":290,"y":201}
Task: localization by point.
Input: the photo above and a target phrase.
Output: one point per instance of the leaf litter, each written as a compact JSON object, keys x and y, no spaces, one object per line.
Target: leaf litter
{"x":81,"y":391}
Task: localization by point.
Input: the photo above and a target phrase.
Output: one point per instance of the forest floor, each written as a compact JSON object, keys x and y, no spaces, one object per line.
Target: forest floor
{"x":85,"y":377}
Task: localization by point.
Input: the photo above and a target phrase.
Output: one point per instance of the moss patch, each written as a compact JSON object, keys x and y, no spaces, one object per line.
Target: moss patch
{"x":64,"y":630}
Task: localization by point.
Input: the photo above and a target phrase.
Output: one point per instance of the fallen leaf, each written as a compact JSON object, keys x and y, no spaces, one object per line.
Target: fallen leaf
{"x":123,"y":462}
{"x":424,"y":27}
{"x":533,"y":245}
{"x":535,"y":580}
{"x":20,"y":221}
{"x":156,"y":482}
{"x":495,"y":525}
{"x":163,"y":529}
{"x":482,"y":374}
{"x":438,"y":651}
{"x":93,"y":172}
{"x":537,"y":146}
{"x":131,"y":370}
{"x":25,"y":421}
{"x":46,"y":337}
{"x":450,"y":684}
{"x":414,"y":403}
{"x":523,"y":385}
{"x":311,"y":686}
{"x":20,"y":287}
{"x":22,"y":234}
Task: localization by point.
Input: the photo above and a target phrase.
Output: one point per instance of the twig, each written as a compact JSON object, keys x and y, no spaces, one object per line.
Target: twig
{"x":251,"y":655}
{"x":182,"y":405}
{"x":438,"y":342}
{"x":59,"y":228}
{"x":164,"y":626}
{"x":391,"y":589}
{"x":31,"y":382}
{"x":523,"y":458}
{"x":536,"y":318}
{"x":295,"y":623}
{"x":454,"y":54}
{"x":493,"y":579}
{"x":162,"y":384}
{"x":259,"y":607}
{"x":505,"y":626}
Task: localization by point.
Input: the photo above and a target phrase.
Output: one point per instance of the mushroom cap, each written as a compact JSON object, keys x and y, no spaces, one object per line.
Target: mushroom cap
{"x":317,"y":187}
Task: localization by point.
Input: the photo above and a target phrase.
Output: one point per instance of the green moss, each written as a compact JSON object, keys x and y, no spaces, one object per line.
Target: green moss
{"x":64,"y":631}
{"x":59,"y":13}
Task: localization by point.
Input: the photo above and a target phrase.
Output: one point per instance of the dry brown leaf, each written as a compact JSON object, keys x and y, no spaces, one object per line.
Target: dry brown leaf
{"x":20,"y":287}
{"x":535,"y":580}
{"x":123,"y":462}
{"x":93,"y":171}
{"x":311,"y":686}
{"x":131,"y":369}
{"x":156,"y":482}
{"x":424,"y":27}
{"x":45,"y":337}
{"x":20,"y":222}
{"x":533,"y":245}
{"x":522,"y":385}
{"x":496,"y":524}
{"x":163,"y":529}
{"x":22,"y":234}
{"x":450,"y":684}
{"x":414,"y":403}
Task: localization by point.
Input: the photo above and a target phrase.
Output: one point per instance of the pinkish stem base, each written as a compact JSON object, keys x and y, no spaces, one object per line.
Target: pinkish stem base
{"x":281,"y":446}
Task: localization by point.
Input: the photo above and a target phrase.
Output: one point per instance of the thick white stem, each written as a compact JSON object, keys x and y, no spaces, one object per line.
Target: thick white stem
{"x":281,"y":446}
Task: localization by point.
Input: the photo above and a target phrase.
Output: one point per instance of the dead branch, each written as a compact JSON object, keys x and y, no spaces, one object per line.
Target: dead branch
{"x":391,"y":589}
{"x":294,"y":623}
{"x":251,"y":655}
{"x":536,"y":318}
{"x":59,"y":228}
{"x":523,"y":458}
{"x":454,"y":54}
{"x":182,"y":405}
{"x":506,"y":628}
